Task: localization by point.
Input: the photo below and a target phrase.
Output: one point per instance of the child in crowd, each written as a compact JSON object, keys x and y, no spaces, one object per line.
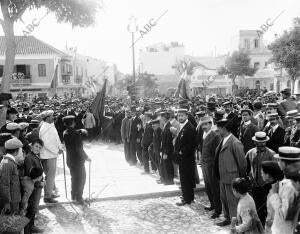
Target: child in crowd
{"x":247,"y":220}
{"x":271,"y":174}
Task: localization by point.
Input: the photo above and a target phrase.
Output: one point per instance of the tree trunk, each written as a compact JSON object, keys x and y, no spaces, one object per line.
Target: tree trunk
{"x":10,"y":52}
{"x":293,"y":86}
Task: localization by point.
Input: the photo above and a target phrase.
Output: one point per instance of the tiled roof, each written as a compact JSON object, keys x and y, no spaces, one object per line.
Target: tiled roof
{"x":29,"y":45}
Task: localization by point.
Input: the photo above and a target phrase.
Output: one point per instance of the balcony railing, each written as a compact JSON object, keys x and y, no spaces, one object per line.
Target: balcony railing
{"x":26,"y":81}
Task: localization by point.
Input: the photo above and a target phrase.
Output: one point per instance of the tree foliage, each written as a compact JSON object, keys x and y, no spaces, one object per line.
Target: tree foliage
{"x":238,"y":64}
{"x":286,"y":51}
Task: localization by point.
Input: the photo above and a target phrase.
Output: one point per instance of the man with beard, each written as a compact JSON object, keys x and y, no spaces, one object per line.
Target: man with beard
{"x":166,"y":163}
{"x":210,"y":142}
{"x":255,"y":157}
{"x":247,"y":130}
{"x":275,"y":133}
{"x":185,"y":146}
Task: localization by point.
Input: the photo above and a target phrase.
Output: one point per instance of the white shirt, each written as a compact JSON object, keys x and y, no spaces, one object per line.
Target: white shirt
{"x":247,"y":123}
{"x":183,"y":124}
{"x":205,"y":134}
{"x":226,"y":139}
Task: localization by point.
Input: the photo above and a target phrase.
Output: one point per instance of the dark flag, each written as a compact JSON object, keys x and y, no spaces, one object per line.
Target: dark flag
{"x":54,"y":81}
{"x":97,"y":106}
{"x":181,"y":90}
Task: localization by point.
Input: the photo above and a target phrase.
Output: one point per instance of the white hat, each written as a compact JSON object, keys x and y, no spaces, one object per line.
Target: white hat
{"x":46,"y":114}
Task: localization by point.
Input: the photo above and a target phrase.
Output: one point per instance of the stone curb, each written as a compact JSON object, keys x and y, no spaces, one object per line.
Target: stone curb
{"x":128,"y":197}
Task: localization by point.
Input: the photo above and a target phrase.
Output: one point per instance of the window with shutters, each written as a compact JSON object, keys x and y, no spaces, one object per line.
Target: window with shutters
{"x":42,"y":70}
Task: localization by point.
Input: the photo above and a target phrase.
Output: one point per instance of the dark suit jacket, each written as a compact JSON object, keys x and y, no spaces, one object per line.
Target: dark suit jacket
{"x":246,"y":134}
{"x":134,"y":132}
{"x":277,"y":139}
{"x":156,"y":143}
{"x":74,"y":147}
{"x":166,"y":140}
{"x":147,"y":136}
{"x":199,"y":138}
{"x":210,"y":143}
{"x":234,"y":123}
{"x":185,"y":144}
{"x":230,"y":161}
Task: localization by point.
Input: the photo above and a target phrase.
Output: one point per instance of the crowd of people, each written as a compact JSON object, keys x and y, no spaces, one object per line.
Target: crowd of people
{"x":248,"y":149}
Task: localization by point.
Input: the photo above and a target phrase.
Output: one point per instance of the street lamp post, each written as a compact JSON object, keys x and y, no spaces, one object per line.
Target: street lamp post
{"x":132,"y":28}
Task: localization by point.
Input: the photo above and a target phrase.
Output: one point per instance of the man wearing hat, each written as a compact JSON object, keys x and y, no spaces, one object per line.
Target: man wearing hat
{"x":135,"y":137}
{"x":275,"y":133}
{"x":292,"y":172}
{"x":284,"y":196}
{"x":258,"y":115}
{"x":247,"y":130}
{"x":10,"y":189}
{"x":11,"y":116}
{"x":233,"y":118}
{"x":255,"y":157}
{"x":167,"y":148}
{"x":294,"y":138}
{"x":49,"y":153}
{"x":155,"y":147}
{"x":185,"y":147}
{"x":125,"y":134}
{"x":3,"y":138}
{"x":210,"y":141}
{"x":76,"y":158}
{"x":230,"y":163}
{"x":147,"y":140}
{"x":287,"y":103}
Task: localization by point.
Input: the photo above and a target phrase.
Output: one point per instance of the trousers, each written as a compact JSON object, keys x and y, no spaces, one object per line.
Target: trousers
{"x":49,"y":166}
{"x":229,"y":201}
{"x":78,"y":178}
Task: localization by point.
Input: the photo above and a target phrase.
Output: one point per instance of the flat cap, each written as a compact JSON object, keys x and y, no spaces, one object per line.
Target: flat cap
{"x":13,"y":126}
{"x":13,"y":143}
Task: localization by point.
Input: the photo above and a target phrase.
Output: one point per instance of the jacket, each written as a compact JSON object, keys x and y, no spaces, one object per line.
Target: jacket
{"x":246,"y":134}
{"x":74,"y":147}
{"x":166,"y":140}
{"x":125,"y":129}
{"x":52,"y":144}
{"x":209,"y":145}
{"x":230,"y":161}
{"x":10,"y":189}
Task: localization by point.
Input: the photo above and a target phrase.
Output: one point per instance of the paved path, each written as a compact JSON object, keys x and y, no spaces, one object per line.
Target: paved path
{"x":111,"y":176}
{"x":158,"y":215}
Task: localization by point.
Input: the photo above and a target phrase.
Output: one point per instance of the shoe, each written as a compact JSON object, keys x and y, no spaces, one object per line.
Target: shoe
{"x":73,"y":198}
{"x":82,"y":202}
{"x":159,"y":182}
{"x":35,"y":229}
{"x":50,"y":200}
{"x":182,"y":203}
{"x":224,"y":223}
{"x":53,"y":195}
{"x":208,"y":208}
{"x":214,"y":216}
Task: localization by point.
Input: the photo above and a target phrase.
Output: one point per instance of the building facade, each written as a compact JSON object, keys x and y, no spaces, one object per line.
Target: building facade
{"x":35,"y":69}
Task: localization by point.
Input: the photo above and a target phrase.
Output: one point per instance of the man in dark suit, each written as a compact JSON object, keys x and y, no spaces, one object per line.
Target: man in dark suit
{"x":247,"y":130}
{"x":233,"y":118}
{"x":147,"y":140}
{"x":166,"y":164}
{"x":185,"y":147}
{"x":125,"y":133}
{"x":230,"y":163}
{"x":210,"y":142}
{"x":76,"y":158}
{"x":275,"y":133}
{"x":155,"y":147}
{"x":135,"y":137}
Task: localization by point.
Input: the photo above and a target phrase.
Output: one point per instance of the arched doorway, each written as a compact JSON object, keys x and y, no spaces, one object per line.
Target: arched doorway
{"x":257,"y":85}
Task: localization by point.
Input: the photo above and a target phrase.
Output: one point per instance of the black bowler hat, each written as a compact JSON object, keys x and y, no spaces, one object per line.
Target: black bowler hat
{"x":288,"y":153}
{"x":272,"y":168}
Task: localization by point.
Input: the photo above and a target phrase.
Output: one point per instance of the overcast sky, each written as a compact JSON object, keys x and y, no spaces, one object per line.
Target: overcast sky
{"x":201,"y":25}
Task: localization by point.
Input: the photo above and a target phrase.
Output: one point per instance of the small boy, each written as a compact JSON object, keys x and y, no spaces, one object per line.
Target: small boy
{"x":32,"y":160}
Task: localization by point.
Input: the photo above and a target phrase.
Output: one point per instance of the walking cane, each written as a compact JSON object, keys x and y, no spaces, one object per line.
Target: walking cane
{"x":66,"y":192}
{"x":90,"y":182}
